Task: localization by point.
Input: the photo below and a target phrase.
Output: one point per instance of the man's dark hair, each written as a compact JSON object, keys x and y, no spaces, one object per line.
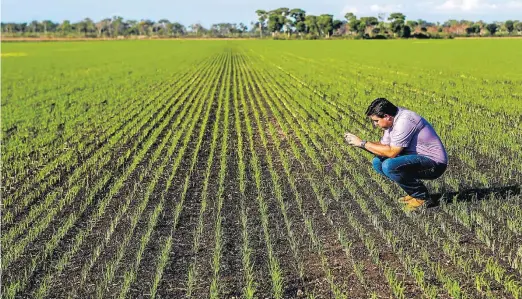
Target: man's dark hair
{"x":381,"y":106}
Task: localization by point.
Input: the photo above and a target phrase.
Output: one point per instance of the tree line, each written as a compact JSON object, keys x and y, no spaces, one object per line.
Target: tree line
{"x":281,"y":23}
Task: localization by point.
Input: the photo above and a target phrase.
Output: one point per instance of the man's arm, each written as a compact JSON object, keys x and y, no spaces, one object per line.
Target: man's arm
{"x":376,"y":148}
{"x":382,"y":149}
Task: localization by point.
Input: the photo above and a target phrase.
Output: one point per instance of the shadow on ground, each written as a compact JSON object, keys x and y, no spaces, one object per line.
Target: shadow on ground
{"x":473,"y":194}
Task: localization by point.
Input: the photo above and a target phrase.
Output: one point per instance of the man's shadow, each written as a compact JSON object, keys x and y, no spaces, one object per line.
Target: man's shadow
{"x":477,"y":194}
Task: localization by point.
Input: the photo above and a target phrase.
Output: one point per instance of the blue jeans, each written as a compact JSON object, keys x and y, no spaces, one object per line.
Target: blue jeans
{"x":408,"y":171}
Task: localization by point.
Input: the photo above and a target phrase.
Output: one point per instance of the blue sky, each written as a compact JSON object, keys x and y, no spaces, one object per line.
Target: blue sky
{"x":208,"y":12}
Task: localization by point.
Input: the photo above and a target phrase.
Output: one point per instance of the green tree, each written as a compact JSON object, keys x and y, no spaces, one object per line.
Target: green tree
{"x":299,"y":18}
{"x":22,"y":27}
{"x":367,"y":22}
{"x":350,"y":16}
{"x":147,"y":27}
{"x":518,"y":26}
{"x":325,"y":24}
{"x":412,"y":24}
{"x":165,"y":29}
{"x":242,"y":28}
{"x":90,"y":27}
{"x":225,"y":29}
{"x":178,"y":29}
{"x":277,"y":19}
{"x":80,"y":28}
{"x":11,"y":27}
{"x":287,"y":22}
{"x":397,"y":20}
{"x":450,"y":23}
{"x":132,"y":28}
{"x":406,"y":31}
{"x":104,"y":27}
{"x":48,"y":26}
{"x":288,"y":26}
{"x":65,"y":27}
{"x":424,"y":23}
{"x":142,"y":27}
{"x":34,"y":26}
{"x":382,"y":25}
{"x":473,"y":29}
{"x":311,"y":25}
{"x":510,"y":26}
{"x":353,"y":23}
{"x":198,"y":29}
{"x":117,"y":26}
{"x":274,"y":23}
{"x":262,"y":16}
{"x":337,"y":24}
{"x":370,"y":21}
{"x":466,"y":22}
{"x":492,"y":28}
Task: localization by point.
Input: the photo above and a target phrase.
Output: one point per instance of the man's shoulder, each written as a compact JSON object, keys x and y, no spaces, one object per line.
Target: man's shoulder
{"x":406,"y":115}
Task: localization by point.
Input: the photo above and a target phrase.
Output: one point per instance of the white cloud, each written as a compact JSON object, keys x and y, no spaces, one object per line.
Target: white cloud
{"x":465,"y":5}
{"x":363,"y":8}
{"x":424,"y":5}
{"x":514,"y":4}
{"x":349,"y":8}
{"x":386,"y":8}
{"x":436,"y":10}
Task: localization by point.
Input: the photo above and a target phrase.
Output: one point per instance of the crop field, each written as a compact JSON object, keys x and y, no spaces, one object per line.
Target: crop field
{"x":173,"y":169}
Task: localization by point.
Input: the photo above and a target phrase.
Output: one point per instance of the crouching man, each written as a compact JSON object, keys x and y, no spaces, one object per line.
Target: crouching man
{"x":409,"y":151}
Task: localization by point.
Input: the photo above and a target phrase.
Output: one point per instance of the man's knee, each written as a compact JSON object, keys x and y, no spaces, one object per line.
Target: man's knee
{"x":377,"y":164}
{"x":389,"y":168}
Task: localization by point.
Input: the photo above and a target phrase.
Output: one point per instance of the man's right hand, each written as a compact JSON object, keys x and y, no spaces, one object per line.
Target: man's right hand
{"x":352,"y":139}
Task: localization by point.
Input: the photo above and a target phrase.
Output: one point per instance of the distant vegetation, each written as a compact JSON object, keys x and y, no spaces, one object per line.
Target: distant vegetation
{"x":281,"y":23}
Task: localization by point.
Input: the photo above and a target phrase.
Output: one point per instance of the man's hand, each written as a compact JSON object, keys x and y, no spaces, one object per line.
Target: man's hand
{"x":352,"y":139}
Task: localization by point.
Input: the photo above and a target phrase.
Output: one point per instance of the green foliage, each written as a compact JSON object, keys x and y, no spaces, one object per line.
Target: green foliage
{"x":518,"y":26}
{"x":325,"y":24}
{"x":473,"y":29}
{"x":492,"y":28}
{"x":509,"y":24}
{"x":281,"y":23}
{"x":121,"y":169}
{"x":397,"y":20}
{"x":406,"y":32}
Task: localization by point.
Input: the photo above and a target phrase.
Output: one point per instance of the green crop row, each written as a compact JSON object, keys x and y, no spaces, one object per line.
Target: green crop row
{"x":123,"y":161}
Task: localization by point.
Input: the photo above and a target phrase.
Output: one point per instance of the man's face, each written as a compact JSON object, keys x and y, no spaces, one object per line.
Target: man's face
{"x":382,"y":122}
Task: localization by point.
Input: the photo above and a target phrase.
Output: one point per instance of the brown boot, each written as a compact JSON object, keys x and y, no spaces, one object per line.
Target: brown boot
{"x":414,"y":204}
{"x":405,"y":199}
